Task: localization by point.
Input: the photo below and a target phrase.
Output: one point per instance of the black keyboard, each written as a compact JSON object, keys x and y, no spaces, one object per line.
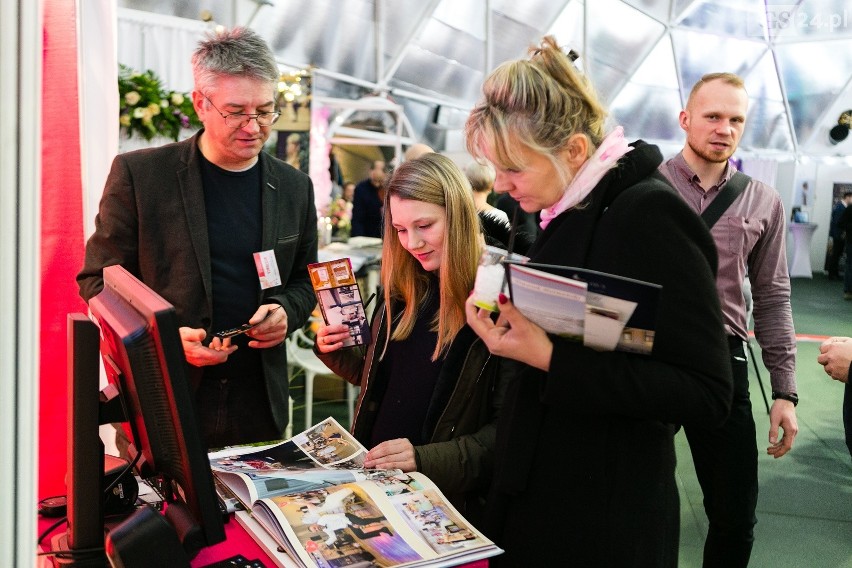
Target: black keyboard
{"x":238,"y":561}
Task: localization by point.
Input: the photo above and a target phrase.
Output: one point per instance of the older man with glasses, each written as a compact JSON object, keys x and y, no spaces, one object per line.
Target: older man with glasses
{"x":224,"y":232}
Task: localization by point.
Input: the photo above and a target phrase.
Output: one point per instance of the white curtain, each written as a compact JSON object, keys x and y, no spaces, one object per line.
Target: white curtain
{"x":98,"y":78}
{"x":142,"y":40}
{"x":761,"y":170}
{"x":163,"y":44}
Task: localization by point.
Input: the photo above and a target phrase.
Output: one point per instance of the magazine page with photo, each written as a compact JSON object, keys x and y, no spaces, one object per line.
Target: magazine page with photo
{"x":340,"y":299}
{"x":389,"y":519}
{"x":322,"y":456}
{"x":312,"y":495}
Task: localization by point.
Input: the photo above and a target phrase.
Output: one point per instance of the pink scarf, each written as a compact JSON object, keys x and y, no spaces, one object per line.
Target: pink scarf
{"x":605,"y":157}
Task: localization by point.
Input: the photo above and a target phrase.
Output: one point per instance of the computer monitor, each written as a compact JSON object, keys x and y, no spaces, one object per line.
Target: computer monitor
{"x":143,"y":356}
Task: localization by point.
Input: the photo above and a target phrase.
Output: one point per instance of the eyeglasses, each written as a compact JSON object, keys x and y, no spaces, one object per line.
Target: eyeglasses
{"x":241,"y":119}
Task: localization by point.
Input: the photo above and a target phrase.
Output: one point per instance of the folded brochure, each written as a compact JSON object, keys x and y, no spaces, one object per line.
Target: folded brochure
{"x":605,"y":311}
{"x":340,"y":299}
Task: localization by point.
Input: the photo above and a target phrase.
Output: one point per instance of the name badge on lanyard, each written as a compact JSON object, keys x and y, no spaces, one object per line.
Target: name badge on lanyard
{"x":267,"y":269}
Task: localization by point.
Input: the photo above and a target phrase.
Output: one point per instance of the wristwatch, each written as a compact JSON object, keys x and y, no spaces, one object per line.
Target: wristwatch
{"x":791,"y":396}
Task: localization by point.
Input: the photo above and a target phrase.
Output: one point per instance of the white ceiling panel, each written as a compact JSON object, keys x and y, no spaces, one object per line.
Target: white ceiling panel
{"x":642,"y":55}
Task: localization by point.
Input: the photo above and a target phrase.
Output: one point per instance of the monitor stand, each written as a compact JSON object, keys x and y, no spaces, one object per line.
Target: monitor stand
{"x":88,"y":469}
{"x":82,"y":544}
{"x":85,"y":544}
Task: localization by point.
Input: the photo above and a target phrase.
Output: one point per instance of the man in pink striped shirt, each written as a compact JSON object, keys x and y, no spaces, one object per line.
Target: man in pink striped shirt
{"x":749,"y":237}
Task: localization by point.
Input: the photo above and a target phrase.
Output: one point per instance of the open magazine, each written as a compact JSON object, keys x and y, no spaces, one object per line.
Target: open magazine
{"x":312,"y":495}
{"x":340,"y":298}
{"x":605,"y":311}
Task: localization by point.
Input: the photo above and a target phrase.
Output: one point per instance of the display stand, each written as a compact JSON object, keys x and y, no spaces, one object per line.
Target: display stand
{"x":800,"y":260}
{"x":340,"y":133}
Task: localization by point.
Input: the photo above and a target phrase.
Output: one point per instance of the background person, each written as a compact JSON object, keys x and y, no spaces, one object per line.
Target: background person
{"x":837,"y":236}
{"x":749,"y":239}
{"x":367,"y":202}
{"x":480,"y":174}
{"x":846,"y":227}
{"x":416,"y":150}
{"x":430,"y":391}
{"x":835,"y":355}
{"x":186,"y":219}
{"x":611,"y":498}
{"x":293,"y":147}
{"x":348,"y":191}
{"x":525,"y":222}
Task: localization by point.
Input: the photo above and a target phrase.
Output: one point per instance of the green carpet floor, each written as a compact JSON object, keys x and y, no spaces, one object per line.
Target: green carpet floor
{"x":804,"y":508}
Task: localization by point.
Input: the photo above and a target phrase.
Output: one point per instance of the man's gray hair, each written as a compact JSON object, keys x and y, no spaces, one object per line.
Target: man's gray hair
{"x":238,"y":51}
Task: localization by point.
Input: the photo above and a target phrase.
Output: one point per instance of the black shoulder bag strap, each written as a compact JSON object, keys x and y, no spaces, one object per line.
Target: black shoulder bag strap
{"x":729,"y":193}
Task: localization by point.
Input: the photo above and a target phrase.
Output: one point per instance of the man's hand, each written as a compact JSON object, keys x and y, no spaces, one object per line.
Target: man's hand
{"x":782,"y":414}
{"x":199,"y":355}
{"x":271,"y":328}
{"x":835,"y":357}
{"x":393,"y":454}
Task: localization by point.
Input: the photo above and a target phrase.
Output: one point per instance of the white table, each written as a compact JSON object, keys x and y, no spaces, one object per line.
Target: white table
{"x":800,"y":259}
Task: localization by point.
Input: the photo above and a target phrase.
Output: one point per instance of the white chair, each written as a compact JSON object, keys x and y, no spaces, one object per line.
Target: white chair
{"x":300,"y":355}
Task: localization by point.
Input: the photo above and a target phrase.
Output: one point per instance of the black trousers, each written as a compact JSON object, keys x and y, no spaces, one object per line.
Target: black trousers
{"x":847,"y":415}
{"x":837,"y":246}
{"x":726,"y":465}
{"x":235,"y":411}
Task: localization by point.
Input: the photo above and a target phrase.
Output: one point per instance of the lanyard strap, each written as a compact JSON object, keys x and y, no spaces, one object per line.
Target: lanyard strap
{"x":728,"y":195}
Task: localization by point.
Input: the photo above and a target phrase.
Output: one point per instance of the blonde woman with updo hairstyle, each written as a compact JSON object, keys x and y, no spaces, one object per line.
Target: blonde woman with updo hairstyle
{"x":584,"y":472}
{"x":430,"y":389}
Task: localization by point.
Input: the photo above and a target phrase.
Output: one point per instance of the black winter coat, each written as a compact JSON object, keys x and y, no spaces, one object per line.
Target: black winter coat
{"x":585,"y":452}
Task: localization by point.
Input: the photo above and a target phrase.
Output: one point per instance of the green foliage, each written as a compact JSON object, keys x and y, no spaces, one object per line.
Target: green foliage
{"x":147,"y":109}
